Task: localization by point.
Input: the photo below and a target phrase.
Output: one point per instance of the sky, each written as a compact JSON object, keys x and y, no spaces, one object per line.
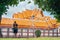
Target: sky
{"x":21,"y":7}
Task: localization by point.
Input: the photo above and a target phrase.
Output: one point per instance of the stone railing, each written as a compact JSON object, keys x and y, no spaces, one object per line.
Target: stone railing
{"x":29,"y":32}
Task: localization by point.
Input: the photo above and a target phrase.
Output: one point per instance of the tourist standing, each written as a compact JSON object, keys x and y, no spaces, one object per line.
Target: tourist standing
{"x":15,"y":28}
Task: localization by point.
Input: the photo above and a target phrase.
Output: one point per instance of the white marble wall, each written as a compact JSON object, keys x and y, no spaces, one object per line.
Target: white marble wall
{"x":4,"y":32}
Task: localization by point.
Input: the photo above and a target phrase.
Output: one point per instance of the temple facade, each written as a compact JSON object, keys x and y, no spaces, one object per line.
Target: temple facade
{"x":28,"y":22}
{"x":29,"y":18}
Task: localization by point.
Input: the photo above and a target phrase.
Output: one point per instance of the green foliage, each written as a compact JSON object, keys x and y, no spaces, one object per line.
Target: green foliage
{"x":22,"y":0}
{"x":29,"y":2}
{"x":52,"y":6}
{"x":4,"y":5}
{"x":37,"y":33}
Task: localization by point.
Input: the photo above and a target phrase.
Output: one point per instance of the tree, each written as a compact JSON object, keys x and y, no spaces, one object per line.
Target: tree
{"x":38,"y":33}
{"x":4,"y":5}
{"x":52,"y":6}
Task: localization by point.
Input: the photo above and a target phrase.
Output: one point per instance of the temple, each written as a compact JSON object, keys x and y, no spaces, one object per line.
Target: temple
{"x":31,"y":19}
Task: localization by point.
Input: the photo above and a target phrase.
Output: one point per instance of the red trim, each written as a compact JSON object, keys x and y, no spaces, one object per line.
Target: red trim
{"x":24,"y":26}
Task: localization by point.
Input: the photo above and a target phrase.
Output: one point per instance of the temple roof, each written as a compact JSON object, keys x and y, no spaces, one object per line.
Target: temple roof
{"x":29,"y":18}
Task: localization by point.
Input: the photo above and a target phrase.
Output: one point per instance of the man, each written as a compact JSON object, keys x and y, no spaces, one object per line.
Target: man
{"x":15,"y":28}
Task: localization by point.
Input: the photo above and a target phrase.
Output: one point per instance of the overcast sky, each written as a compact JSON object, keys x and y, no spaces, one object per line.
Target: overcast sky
{"x":21,"y":7}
